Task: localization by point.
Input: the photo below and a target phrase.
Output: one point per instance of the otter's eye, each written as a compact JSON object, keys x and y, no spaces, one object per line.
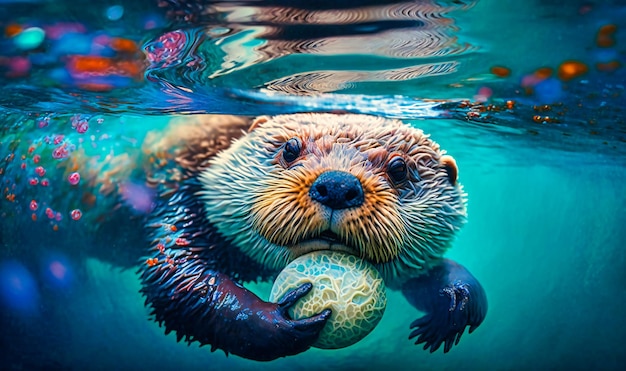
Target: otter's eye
{"x":291,"y":150}
{"x":396,"y":169}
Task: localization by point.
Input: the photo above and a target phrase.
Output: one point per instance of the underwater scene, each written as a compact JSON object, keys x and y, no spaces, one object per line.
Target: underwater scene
{"x":162,"y":162}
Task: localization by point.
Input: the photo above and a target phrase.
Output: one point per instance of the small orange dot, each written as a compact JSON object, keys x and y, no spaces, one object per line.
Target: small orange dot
{"x":605,"y":41}
{"x":510,"y":104}
{"x":544,"y":72}
{"x":501,"y":71}
{"x":88,"y":199}
{"x":608,"y":29}
{"x":605,"y":37}
{"x":608,"y":66}
{"x":96,"y":87}
{"x":123,"y":45}
{"x":571,"y":69}
{"x":12,"y":30}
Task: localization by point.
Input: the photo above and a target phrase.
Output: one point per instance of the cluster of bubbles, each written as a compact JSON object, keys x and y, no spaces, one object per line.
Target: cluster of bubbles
{"x":39,"y":171}
{"x":41,"y":178}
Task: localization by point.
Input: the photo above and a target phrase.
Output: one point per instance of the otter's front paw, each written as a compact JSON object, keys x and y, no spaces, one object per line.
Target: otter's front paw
{"x":293,"y":336}
{"x":452,"y":299}
{"x":271,"y":333}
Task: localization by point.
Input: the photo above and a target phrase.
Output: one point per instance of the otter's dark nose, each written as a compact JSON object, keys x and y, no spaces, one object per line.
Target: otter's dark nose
{"x":337,"y":190}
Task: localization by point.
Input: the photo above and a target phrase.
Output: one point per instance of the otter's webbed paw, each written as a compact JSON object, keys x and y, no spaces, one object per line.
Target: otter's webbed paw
{"x":201,"y":303}
{"x":252,"y":328}
{"x":452,"y":299}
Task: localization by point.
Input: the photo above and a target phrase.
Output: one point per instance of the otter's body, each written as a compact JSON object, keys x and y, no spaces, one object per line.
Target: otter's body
{"x":372,"y":187}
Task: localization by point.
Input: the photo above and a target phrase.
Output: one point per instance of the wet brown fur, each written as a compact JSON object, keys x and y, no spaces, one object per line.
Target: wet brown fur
{"x":186,"y":147}
{"x":400,"y":227}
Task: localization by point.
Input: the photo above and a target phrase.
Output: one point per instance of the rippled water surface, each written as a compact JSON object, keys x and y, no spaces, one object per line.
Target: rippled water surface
{"x":528,"y":96}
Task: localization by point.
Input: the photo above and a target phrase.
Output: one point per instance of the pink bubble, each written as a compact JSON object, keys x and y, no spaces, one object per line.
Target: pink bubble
{"x":484,"y":93}
{"x":60,"y":152}
{"x":76,"y":214}
{"x":82,"y":127}
{"x":36,"y":159}
{"x":167,"y":49}
{"x":137,"y":196}
{"x":73,"y":178}
{"x":58,"y":217}
{"x":79,"y":122}
{"x":33,"y":181}
{"x":42,"y":123}
{"x":56,"y":30}
{"x":40,"y":171}
{"x":58,"y":139}
{"x":531,"y":80}
{"x":58,"y":270}
{"x":33,"y":205}
{"x":45,"y":182}
{"x":18,"y":288}
{"x":18,"y":67}
{"x":102,"y":40}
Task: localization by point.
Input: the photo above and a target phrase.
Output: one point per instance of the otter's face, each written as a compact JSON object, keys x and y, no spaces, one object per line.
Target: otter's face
{"x":372,"y":187}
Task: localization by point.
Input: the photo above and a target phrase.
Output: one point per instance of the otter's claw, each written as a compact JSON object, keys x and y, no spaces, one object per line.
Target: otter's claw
{"x":458,"y":293}
{"x":292,"y":296}
{"x":239,"y":322}
{"x":315,"y":323}
{"x":280,"y":335}
{"x":450,"y":309}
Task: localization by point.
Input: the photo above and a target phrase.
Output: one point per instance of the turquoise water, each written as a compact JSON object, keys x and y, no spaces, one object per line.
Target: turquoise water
{"x":546,"y":195}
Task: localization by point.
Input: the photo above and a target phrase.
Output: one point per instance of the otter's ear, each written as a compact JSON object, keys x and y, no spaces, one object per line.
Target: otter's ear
{"x":258,"y":122}
{"x":449,"y":164}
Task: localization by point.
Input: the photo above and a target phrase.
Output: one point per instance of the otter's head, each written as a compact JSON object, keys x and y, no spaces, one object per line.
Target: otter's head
{"x":372,"y":187}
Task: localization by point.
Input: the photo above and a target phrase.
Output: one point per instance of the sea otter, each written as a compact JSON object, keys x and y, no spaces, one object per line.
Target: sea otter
{"x":373,"y":187}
